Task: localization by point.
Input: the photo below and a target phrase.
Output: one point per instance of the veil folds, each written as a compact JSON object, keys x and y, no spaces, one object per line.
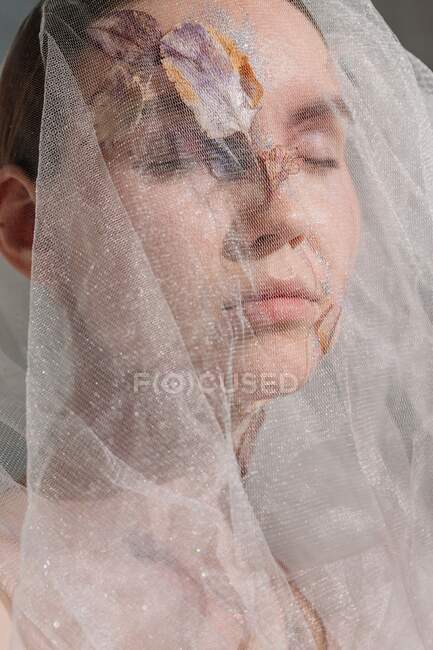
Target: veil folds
{"x":160,"y":508}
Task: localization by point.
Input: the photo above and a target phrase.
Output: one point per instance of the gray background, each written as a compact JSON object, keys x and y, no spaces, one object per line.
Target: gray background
{"x":411,"y":20}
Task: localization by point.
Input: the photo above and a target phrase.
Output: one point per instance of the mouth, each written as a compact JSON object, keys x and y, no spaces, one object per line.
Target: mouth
{"x":279,"y":303}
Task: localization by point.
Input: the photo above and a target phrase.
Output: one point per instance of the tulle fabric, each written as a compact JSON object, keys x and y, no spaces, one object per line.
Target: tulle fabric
{"x":136,"y":528}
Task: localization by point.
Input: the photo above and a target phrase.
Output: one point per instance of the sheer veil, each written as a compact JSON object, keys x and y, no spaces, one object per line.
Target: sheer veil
{"x":198,"y":476}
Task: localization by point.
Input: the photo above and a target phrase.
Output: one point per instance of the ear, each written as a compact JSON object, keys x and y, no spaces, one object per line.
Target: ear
{"x":17,"y":217}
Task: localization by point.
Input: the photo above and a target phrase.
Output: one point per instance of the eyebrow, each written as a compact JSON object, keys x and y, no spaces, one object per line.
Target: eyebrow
{"x":321,"y":108}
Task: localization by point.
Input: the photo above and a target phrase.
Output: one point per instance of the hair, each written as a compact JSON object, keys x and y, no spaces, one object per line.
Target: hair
{"x":22,"y":79}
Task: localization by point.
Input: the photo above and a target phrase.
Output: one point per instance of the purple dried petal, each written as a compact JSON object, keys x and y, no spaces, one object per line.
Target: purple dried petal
{"x":118,"y":105}
{"x":127,"y":35}
{"x":207,"y":79}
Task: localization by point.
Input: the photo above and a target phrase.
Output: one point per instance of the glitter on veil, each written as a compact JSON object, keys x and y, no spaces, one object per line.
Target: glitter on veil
{"x":228,"y":414}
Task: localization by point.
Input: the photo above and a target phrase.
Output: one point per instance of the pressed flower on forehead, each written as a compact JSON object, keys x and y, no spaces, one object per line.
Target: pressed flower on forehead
{"x":203,"y":68}
{"x":118,"y":105}
{"x":132,"y":37}
{"x":212,"y":77}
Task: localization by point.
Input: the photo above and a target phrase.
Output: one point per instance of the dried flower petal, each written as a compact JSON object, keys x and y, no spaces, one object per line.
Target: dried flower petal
{"x":249,"y":81}
{"x":327,"y":326}
{"x":118,"y":106}
{"x":279,"y":163}
{"x":129,"y":36}
{"x":212,"y":77}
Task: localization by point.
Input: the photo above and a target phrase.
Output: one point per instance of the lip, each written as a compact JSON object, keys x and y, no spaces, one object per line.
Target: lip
{"x":278,"y":303}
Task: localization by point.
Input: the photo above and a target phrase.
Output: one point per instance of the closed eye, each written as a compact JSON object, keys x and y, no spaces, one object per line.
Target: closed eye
{"x":326,"y":163}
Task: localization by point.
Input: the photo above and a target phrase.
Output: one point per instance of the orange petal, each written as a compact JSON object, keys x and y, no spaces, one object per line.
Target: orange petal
{"x":250,"y":83}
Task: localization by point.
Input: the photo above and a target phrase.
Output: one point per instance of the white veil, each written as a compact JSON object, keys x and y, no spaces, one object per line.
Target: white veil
{"x":145,"y":524}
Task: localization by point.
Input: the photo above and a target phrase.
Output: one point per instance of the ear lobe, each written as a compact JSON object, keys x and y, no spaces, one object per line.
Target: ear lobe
{"x":17,"y":217}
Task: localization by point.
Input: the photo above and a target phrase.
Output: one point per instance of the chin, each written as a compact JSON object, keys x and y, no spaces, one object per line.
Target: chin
{"x":273,"y":364}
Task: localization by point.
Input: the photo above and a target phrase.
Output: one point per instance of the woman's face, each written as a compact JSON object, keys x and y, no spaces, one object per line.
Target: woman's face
{"x":255,"y":284}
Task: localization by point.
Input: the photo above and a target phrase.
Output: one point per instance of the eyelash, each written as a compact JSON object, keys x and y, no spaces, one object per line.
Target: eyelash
{"x":322,"y":163}
{"x":166,"y":168}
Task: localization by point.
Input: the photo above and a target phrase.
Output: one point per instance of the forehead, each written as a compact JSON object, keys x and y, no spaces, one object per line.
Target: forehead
{"x":291,"y":55}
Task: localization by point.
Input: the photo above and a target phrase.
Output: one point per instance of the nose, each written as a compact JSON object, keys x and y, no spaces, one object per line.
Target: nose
{"x":265,"y":218}
{"x":264,"y":223}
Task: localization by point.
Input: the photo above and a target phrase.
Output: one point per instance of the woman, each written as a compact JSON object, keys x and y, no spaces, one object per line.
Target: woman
{"x":196,"y":229}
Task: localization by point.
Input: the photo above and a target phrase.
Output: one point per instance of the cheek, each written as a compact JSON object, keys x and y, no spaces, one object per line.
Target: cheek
{"x":334,"y":218}
{"x":181,"y":225}
{"x":346,"y":222}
